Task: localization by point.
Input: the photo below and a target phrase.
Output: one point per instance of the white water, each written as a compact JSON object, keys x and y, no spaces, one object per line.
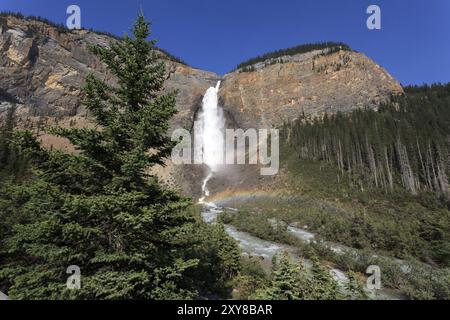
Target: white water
{"x":212,"y":135}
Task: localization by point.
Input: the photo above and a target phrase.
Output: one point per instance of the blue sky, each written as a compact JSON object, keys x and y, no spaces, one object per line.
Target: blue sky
{"x":413,"y":44}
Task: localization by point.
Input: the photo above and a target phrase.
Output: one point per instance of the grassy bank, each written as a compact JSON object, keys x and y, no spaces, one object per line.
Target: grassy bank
{"x":421,"y":281}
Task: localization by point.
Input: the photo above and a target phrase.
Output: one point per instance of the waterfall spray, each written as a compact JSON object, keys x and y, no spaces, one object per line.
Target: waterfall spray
{"x":212,"y":134}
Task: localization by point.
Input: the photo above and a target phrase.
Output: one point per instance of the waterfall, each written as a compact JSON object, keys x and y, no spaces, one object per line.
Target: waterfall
{"x":212,"y":135}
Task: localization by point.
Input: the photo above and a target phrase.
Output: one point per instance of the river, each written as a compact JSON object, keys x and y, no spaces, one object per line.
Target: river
{"x":265,"y":250}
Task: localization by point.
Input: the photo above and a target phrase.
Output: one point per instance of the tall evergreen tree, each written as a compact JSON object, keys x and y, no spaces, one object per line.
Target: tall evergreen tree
{"x":324,"y":287}
{"x":10,"y":161}
{"x":99,"y":208}
{"x":354,"y":288}
{"x":288,"y":282}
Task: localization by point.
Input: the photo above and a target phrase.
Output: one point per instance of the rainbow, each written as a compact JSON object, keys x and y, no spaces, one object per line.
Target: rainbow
{"x":246,"y":194}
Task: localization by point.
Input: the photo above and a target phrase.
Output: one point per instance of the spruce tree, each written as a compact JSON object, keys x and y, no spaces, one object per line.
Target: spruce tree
{"x":324,"y":287}
{"x":98,"y":208}
{"x":289,"y":282}
{"x":354,"y":289}
{"x":8,"y":154}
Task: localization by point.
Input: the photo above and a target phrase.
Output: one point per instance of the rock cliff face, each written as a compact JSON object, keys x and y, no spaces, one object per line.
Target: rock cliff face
{"x":42,"y":69}
{"x":313,"y":83}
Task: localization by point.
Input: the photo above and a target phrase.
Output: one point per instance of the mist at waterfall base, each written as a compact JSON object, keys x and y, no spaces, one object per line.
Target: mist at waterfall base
{"x":212,"y":133}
